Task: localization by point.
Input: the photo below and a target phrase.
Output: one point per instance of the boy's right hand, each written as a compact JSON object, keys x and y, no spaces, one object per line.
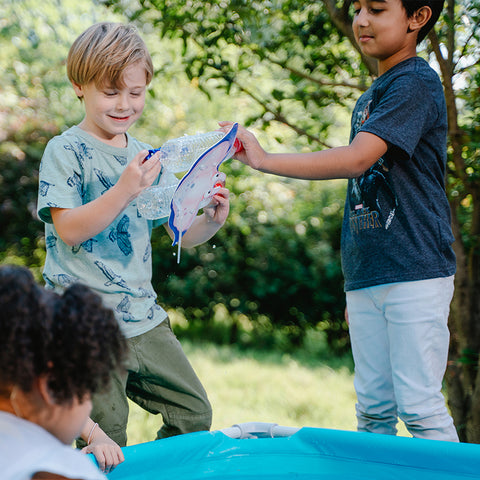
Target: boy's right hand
{"x":75,"y":225}
{"x":252,"y":153}
{"x":140,"y":173}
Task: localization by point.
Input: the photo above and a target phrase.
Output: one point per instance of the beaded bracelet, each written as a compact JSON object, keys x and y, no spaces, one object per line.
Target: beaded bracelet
{"x":91,"y":433}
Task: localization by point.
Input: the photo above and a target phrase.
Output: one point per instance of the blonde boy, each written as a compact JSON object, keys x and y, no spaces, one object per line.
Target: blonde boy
{"x":90,"y":177}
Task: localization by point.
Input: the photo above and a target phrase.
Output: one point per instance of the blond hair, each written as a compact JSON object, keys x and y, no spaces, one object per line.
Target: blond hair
{"x":103,"y":52}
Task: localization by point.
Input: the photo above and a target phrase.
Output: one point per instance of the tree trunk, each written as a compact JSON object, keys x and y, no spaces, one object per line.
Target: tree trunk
{"x":463,"y":373}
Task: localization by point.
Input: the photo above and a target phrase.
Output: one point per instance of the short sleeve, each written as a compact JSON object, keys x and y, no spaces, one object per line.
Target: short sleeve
{"x":405,"y":112}
{"x":60,"y":177}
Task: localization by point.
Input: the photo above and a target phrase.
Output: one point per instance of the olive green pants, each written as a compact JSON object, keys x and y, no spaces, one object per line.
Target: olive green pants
{"x":161,"y":380}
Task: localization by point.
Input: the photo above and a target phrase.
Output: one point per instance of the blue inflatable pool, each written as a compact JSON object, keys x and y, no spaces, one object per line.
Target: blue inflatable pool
{"x":306,"y":453}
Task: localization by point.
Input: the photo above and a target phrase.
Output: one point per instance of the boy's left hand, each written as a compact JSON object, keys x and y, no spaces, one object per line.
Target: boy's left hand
{"x":218,"y":208}
{"x":107,"y":452}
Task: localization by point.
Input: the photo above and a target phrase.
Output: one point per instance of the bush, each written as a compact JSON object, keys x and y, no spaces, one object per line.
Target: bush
{"x":273,"y":269}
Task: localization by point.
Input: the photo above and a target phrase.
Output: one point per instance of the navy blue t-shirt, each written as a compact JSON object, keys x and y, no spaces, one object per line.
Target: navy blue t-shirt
{"x":396,"y":224}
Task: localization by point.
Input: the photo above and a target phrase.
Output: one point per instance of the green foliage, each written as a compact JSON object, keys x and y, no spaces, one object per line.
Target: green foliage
{"x":22,"y":232}
{"x":37,"y":102}
{"x":281,"y":54}
{"x":274,"y":266}
{"x":463,"y":189}
{"x":270,"y":276}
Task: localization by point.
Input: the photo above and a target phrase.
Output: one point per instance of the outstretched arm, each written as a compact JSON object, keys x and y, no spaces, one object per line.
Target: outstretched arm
{"x":338,"y":162}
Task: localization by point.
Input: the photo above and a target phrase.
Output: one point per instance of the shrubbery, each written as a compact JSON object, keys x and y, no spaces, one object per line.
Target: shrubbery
{"x":270,"y":274}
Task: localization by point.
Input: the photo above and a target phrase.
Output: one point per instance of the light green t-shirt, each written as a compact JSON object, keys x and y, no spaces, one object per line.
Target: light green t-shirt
{"x":76,"y":168}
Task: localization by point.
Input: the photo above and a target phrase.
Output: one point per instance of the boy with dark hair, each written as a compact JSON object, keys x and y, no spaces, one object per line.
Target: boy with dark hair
{"x":397,"y":258}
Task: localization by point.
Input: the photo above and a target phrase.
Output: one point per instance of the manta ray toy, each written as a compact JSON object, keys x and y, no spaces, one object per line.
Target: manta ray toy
{"x":200,"y":184}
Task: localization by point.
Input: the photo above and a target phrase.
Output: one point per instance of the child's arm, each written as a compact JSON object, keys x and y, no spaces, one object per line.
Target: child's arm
{"x":75,"y":225}
{"x":205,"y":226}
{"x":107,"y":453}
{"x":338,"y":162}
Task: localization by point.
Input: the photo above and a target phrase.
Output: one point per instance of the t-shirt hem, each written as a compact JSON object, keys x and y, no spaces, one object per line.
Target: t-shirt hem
{"x":129,"y":332}
{"x":349,"y":286}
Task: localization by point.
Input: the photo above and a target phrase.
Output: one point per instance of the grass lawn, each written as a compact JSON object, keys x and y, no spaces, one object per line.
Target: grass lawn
{"x":257,"y":386}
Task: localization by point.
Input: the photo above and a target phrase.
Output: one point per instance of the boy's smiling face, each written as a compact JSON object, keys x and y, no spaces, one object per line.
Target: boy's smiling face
{"x":383,"y":30}
{"x":110,"y":111}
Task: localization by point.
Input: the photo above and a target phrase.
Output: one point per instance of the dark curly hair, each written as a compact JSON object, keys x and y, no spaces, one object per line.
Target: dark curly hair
{"x":71,"y":338}
{"x":23,"y":335}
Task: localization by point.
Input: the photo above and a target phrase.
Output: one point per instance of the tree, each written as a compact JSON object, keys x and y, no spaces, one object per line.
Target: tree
{"x":308,"y":62}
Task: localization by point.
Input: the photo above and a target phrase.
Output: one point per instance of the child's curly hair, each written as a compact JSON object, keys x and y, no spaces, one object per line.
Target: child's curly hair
{"x":71,"y":338}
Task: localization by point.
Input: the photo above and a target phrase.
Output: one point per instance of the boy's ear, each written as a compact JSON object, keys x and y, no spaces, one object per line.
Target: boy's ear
{"x":78,"y":89}
{"x":420,"y":18}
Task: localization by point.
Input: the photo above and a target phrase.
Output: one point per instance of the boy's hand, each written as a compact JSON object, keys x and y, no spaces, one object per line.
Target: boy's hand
{"x":75,"y":225}
{"x":206,"y":225}
{"x":217,"y":210}
{"x":252,"y":153}
{"x":140,"y":173}
{"x":107,"y":453}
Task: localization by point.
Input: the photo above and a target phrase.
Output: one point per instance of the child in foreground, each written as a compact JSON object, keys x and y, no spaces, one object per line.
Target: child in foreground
{"x":55,"y":352}
{"x":90,"y":177}
{"x":397,"y":258}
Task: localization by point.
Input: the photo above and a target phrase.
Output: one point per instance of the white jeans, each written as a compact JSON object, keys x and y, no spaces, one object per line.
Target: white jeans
{"x":400,"y":340}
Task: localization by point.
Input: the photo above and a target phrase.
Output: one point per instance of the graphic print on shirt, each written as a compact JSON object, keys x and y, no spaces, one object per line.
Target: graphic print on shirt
{"x":112,"y":277}
{"x":44,"y":186}
{"x":119,"y":234}
{"x":123,"y":308}
{"x":104,"y":180}
{"x":373,"y":201}
{"x":148,"y":251}
{"x":51,"y":242}
{"x":75,"y":181}
{"x":122,"y":160}
{"x":81,"y":152}
{"x":61,"y":279}
{"x":87,"y":245}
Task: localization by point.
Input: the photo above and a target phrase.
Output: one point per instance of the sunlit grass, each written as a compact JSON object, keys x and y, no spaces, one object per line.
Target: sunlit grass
{"x":264,"y":387}
{"x":277,"y":389}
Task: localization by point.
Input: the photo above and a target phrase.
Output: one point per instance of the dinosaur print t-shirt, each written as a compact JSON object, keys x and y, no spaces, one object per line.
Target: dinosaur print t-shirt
{"x":396,"y":225}
{"x":76,"y":168}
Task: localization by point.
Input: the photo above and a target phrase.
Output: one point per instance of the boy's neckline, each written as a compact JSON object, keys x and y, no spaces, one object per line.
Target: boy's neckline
{"x":397,"y":65}
{"x":386,"y":65}
{"x":114,"y":145}
{"x":98,"y":142}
